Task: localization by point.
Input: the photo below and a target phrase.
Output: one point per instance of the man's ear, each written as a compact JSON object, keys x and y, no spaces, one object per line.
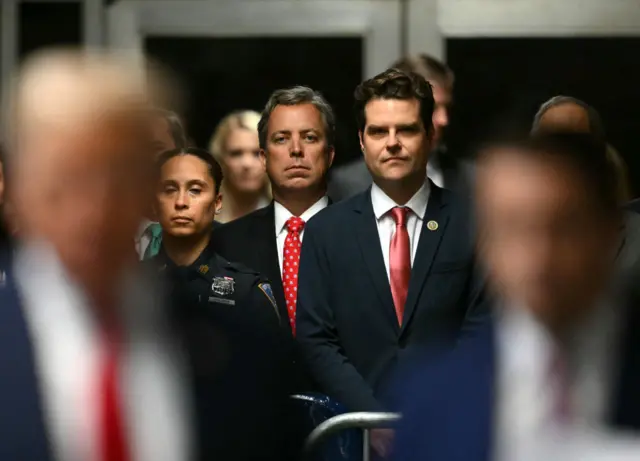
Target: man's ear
{"x":263,"y":158}
{"x":331,"y":152}
{"x":361,"y":142}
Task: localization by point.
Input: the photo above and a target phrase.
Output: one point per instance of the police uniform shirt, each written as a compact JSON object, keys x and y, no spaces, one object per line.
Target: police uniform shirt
{"x":245,"y":371}
{"x":219,"y":284}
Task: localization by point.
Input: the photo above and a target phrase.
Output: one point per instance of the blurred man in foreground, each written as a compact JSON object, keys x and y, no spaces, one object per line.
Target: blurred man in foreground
{"x":567,"y":114}
{"x":95,"y":364}
{"x":561,"y":351}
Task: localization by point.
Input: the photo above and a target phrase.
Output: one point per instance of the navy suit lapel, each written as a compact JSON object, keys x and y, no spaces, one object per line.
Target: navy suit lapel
{"x":22,"y":434}
{"x":369,"y":242}
{"x":270,"y":259}
{"x":427,"y":248}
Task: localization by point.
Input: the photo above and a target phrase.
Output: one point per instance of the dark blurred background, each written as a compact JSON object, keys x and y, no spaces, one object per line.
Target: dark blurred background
{"x":498,"y":81}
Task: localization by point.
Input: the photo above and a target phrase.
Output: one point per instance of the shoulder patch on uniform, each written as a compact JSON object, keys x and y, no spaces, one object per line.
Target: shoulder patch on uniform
{"x":266,"y":289}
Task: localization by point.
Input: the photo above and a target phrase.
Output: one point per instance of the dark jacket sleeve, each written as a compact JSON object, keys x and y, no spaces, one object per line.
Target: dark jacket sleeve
{"x":317,"y":333}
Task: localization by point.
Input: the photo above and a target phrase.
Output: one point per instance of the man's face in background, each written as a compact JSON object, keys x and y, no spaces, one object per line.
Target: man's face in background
{"x":442,"y":96}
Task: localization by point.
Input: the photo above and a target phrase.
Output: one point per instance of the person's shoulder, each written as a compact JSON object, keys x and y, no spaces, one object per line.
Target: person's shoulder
{"x":245,"y":222}
{"x":335,"y":215}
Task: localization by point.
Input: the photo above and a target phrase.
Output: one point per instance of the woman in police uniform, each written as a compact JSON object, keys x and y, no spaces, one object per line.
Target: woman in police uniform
{"x":247,"y":368}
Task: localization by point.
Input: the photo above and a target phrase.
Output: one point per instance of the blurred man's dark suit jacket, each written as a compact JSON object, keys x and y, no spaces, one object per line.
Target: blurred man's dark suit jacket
{"x":239,"y":404}
{"x":449,"y":408}
{"x":346,"y":323}
{"x":348,"y":180}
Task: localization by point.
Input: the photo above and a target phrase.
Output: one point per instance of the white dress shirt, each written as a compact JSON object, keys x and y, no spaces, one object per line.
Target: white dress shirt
{"x":67,"y":357}
{"x":282,"y":215}
{"x":382,"y":205}
{"x":526,"y":394}
{"x":143,"y":238}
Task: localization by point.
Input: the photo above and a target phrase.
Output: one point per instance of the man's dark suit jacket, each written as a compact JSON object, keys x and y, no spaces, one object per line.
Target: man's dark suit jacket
{"x":239,"y":404}
{"x":251,"y":240}
{"x":346,"y":323}
{"x":452,"y":397}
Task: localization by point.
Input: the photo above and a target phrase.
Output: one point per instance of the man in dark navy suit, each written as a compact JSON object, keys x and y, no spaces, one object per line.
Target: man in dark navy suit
{"x":391,"y":268}
{"x":561,"y":351}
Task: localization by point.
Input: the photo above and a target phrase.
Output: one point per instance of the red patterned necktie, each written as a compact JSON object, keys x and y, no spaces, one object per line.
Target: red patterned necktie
{"x":291,"y":263}
{"x":400,"y":261}
{"x":113,"y":440}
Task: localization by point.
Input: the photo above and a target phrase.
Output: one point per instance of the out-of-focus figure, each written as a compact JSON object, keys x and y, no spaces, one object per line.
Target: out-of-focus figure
{"x":444,"y":168}
{"x":167,"y":133}
{"x":96,"y":363}
{"x":253,"y":377}
{"x":236,"y":147}
{"x":566,"y":114}
{"x":562,"y":349}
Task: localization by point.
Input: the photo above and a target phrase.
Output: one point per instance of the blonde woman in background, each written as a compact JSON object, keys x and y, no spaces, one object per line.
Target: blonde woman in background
{"x":235,"y":146}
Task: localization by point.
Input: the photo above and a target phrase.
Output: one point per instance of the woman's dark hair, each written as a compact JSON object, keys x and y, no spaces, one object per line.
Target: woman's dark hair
{"x":213,"y":166}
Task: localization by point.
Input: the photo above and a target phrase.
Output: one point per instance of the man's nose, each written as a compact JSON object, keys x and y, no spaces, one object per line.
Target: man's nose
{"x":393,"y":143}
{"x":296,"y":148}
{"x":441,"y":117}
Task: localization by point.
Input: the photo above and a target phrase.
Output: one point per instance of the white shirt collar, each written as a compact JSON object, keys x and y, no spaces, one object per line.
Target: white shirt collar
{"x":282,"y":214}
{"x":382,"y":203}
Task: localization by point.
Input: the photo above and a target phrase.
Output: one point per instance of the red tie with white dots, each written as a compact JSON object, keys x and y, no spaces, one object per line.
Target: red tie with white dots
{"x":291,"y":263}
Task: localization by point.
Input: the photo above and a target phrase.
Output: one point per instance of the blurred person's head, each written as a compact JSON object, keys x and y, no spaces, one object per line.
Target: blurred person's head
{"x":548,"y":224}
{"x":80,"y":159}
{"x":567,"y":114}
{"x":393,"y":112}
{"x":167,"y":131}
{"x":441,"y":79}
{"x":297,"y":134}
{"x":236,"y":146}
{"x":187,"y":193}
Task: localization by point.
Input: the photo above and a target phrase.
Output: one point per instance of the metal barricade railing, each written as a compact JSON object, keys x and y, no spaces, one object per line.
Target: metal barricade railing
{"x":361,"y":420}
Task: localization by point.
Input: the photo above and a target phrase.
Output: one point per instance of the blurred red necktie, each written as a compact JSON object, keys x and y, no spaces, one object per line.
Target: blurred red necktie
{"x":113,"y":440}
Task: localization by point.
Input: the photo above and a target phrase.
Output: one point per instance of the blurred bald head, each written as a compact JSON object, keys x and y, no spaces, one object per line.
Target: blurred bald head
{"x":80,"y":151}
{"x":566,"y":114}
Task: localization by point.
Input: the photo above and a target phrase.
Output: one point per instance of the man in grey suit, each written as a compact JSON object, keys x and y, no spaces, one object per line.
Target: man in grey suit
{"x":443,"y":168}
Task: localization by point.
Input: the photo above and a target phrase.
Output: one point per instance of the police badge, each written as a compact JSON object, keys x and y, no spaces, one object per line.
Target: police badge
{"x":223,"y":286}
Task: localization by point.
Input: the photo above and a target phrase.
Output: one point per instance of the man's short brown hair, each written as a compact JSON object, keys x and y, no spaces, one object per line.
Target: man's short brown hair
{"x":395,"y":84}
